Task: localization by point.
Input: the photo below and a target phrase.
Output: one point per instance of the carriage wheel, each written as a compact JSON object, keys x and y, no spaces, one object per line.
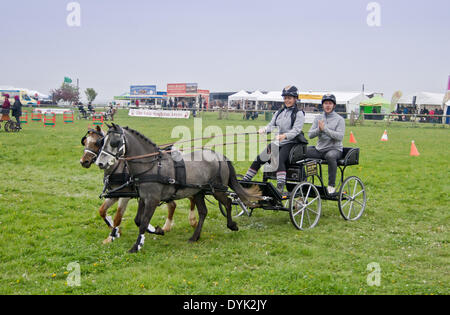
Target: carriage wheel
{"x":16,"y":127}
{"x":352,"y":198}
{"x":9,"y":126}
{"x":305,"y":206}
{"x":236,"y":210}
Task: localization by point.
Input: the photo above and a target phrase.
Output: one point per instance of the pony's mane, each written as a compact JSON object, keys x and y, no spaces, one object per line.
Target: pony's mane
{"x":140,"y":135}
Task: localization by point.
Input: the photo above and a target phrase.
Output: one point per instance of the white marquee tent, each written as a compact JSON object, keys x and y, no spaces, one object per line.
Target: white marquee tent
{"x":422,"y":99}
{"x":239,"y":96}
{"x":350,"y":100}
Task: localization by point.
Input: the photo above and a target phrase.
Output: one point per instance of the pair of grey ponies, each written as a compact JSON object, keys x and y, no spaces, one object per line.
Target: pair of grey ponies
{"x":204,"y":168}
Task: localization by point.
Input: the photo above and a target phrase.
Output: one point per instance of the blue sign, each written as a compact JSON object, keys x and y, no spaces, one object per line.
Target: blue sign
{"x":143,"y":90}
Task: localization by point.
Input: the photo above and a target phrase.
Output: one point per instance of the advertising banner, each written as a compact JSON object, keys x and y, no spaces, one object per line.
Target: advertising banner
{"x":159,"y":113}
{"x":57,"y":111}
{"x":142,"y":90}
{"x":191,"y":88}
{"x":176,"y":88}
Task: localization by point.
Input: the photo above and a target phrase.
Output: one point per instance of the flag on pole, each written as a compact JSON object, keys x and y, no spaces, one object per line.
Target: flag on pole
{"x":67,"y":80}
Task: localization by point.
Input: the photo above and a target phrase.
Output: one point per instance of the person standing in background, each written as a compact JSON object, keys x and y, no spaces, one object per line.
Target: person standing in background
{"x":6,"y":107}
{"x":17,"y":110}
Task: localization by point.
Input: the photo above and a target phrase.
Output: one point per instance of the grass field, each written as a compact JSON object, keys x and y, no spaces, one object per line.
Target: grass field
{"x":49,"y":218}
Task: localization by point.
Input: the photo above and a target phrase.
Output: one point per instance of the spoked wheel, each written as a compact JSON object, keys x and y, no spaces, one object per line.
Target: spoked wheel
{"x":9,"y":126}
{"x":305,"y":206}
{"x":238,"y":208}
{"x":352,"y":198}
{"x":16,"y":127}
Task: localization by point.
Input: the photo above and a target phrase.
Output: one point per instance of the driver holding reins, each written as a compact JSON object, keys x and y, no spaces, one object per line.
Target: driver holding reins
{"x":289,"y":121}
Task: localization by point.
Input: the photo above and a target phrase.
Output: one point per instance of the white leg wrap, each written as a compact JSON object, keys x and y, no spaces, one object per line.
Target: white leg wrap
{"x":151,"y":229}
{"x":141,"y":241}
{"x":109,"y":221}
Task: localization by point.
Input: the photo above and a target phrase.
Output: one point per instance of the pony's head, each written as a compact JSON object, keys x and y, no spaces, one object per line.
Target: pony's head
{"x":92,"y":142}
{"x":113,"y":147}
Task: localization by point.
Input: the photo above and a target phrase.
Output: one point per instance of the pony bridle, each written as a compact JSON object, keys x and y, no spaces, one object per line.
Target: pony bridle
{"x":99,"y":143}
{"x":122,"y":147}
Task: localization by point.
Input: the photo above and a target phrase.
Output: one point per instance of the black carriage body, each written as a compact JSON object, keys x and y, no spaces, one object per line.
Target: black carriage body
{"x":302,"y":173}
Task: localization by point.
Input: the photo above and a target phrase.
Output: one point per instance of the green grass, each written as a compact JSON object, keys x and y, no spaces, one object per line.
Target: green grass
{"x":49,"y":218}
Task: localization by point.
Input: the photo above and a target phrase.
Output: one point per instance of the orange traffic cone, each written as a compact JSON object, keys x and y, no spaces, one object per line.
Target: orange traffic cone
{"x":385,"y":136}
{"x":352,"y":138}
{"x":414,"y":151}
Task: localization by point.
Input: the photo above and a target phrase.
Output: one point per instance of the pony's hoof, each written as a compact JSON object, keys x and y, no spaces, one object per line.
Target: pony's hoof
{"x":233,"y":226}
{"x":168,"y":225}
{"x":159,"y":231}
{"x":193,"y":240}
{"x":133,"y":250}
{"x":193,"y":224}
{"x":108,"y":240}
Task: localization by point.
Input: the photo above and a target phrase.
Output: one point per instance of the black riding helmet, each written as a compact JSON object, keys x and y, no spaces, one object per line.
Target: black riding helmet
{"x":290,"y":91}
{"x":329,"y":97}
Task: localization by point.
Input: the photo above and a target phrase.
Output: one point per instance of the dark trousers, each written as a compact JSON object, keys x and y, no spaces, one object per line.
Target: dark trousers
{"x":18,"y":120}
{"x":331,"y":156}
{"x":265,"y":156}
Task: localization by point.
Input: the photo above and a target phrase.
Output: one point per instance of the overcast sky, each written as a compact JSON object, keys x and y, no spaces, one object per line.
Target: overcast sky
{"x":227,"y":45}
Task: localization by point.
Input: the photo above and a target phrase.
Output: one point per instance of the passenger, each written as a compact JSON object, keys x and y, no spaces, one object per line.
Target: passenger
{"x":330,"y":128}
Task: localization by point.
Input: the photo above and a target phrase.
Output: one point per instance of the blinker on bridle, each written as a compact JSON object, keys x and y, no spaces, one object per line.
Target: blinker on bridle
{"x":114,"y":144}
{"x":99,"y":143}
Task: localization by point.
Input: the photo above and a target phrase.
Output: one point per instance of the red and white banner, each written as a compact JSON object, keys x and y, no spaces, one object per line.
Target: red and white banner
{"x":176,"y":88}
{"x":57,"y":111}
{"x":159,"y":113}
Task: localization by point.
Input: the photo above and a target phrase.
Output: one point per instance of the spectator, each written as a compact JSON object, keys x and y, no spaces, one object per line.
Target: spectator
{"x":6,"y":108}
{"x":432,"y":117}
{"x":17,"y":110}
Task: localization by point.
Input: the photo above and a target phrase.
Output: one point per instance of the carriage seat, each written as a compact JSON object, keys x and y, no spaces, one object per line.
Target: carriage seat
{"x":350,"y":157}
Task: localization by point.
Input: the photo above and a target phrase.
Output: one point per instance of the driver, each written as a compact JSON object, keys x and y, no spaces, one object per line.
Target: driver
{"x":330,"y":128}
{"x":289,"y":120}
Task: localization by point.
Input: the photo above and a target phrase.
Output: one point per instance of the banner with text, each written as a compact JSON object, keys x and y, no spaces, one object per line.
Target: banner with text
{"x":159,"y":113}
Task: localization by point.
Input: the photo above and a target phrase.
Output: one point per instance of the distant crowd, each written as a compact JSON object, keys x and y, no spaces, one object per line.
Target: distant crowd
{"x":426,"y":116}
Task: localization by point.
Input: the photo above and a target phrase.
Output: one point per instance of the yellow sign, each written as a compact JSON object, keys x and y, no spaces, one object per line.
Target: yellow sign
{"x":310,"y":97}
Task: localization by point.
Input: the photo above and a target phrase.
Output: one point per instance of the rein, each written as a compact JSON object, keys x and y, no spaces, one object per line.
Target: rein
{"x":139,"y":157}
{"x":210,"y":137}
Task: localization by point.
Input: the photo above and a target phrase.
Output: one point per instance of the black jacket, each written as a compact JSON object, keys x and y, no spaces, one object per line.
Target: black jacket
{"x":17,"y":109}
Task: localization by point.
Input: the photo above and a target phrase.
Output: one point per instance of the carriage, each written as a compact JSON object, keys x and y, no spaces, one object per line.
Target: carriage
{"x":306,"y":190}
{"x":9,"y":125}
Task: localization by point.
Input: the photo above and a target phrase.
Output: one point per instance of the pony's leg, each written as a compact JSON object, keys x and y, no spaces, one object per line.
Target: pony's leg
{"x":223,"y":198}
{"x":104,"y":209}
{"x":199,"y":200}
{"x":169,"y":221}
{"x":137,"y":220}
{"x":115,"y":232}
{"x":146,"y":215}
{"x":192,"y":219}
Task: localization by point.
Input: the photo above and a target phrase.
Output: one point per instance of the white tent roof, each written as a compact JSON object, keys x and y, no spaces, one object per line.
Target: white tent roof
{"x":241,"y":95}
{"x":343,"y":98}
{"x":255,"y":96}
{"x":29,"y":92}
{"x":351,"y":100}
{"x":423,"y":98}
{"x":426,"y":98}
{"x":272,"y":96}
